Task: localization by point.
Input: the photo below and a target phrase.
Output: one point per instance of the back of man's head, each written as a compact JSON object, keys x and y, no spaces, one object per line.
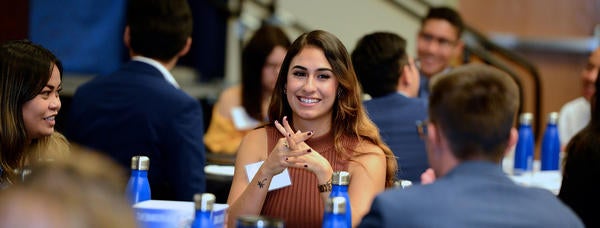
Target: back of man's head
{"x":378,"y":59}
{"x":474,"y":106}
{"x":447,"y":14}
{"x":158,"y":29}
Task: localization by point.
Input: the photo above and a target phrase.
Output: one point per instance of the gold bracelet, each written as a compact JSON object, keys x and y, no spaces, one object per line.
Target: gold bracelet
{"x":325,"y":187}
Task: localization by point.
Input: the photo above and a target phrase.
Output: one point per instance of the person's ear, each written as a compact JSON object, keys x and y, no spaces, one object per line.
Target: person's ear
{"x":433,"y":136}
{"x":186,"y":48}
{"x":458,"y":48}
{"x":403,"y":74}
{"x":403,"y":79}
{"x":127,"y":37}
{"x":409,"y":79}
{"x":512,"y":140}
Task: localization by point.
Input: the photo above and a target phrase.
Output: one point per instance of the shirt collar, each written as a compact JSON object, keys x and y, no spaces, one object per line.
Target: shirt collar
{"x":165,"y":73}
{"x":403,"y":94}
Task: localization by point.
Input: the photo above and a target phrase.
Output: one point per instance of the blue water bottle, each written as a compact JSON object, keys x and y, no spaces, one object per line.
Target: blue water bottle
{"x":339,"y":187}
{"x":335,"y":208}
{"x":525,"y":145}
{"x":551,"y":144}
{"x":138,"y":187}
{"x":204,"y":205}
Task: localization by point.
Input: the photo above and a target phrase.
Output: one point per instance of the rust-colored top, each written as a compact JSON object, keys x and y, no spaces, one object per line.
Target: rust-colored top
{"x":300,"y":204}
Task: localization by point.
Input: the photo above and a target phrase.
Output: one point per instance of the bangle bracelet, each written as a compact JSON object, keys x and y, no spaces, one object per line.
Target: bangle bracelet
{"x":325,"y":187}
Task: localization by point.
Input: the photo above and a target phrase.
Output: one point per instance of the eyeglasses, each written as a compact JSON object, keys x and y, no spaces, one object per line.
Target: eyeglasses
{"x":442,"y":42}
{"x":422,"y":128}
{"x":417,"y":63}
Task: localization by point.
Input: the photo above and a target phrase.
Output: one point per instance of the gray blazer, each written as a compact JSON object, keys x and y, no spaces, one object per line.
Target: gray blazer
{"x":474,"y":194}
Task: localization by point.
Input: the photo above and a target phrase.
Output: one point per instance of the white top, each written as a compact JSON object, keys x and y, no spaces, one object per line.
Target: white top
{"x":574,"y":116}
{"x":166,"y":74}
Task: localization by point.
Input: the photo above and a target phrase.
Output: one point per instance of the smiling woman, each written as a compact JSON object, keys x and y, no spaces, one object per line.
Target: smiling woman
{"x":30,"y":78}
{"x":318,"y":126}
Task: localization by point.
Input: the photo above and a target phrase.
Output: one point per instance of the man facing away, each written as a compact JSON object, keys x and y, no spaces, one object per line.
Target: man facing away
{"x":575,"y":114}
{"x":386,"y":74}
{"x":438,"y":43}
{"x":472,"y":111}
{"x":140,"y":110}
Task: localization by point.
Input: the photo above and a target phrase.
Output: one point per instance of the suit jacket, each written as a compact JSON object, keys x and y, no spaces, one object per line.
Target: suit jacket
{"x":423,"y":86}
{"x":395,"y":115}
{"x":135,"y":111}
{"x":473,"y":194}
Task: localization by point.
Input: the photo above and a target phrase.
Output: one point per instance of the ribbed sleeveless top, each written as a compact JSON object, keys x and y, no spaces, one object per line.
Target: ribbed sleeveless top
{"x":300,"y":204}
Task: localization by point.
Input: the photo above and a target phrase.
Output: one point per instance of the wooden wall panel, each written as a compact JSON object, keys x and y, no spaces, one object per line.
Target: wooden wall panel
{"x":562,"y":19}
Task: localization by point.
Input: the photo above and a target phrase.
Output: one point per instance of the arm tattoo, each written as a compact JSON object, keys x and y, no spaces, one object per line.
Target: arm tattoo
{"x":261,"y":183}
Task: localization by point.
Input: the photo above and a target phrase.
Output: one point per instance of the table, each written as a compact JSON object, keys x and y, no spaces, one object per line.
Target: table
{"x":547,"y":179}
{"x":218,"y":180}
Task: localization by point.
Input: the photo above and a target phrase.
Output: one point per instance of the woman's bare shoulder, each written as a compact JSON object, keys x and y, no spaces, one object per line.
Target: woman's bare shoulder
{"x":368,"y":148}
{"x":232,"y":92}
{"x":257,"y":134}
{"x":229,"y":98}
{"x":370,"y":160}
{"x":254,"y":146}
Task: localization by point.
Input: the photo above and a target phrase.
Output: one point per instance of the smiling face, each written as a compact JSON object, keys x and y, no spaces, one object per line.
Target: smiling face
{"x":437,"y":43}
{"x":311,"y":85}
{"x":39,"y":113}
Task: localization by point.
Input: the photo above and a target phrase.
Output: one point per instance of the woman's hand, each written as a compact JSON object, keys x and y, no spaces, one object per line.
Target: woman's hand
{"x":308,"y":158}
{"x":283,"y":156}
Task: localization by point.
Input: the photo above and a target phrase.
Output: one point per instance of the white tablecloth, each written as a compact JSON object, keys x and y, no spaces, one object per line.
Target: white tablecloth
{"x":549,"y":180}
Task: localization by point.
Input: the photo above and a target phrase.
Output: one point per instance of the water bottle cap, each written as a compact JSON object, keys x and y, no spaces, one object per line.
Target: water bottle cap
{"x":336,"y":205}
{"x":204,"y":201}
{"x":526,"y":118}
{"x":140,"y":163}
{"x":258,"y":221}
{"x":340,"y":178}
{"x":553,"y":117}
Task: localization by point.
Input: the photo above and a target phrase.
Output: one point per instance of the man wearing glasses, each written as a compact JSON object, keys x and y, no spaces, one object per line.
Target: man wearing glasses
{"x":472,"y":111}
{"x":438,"y":42}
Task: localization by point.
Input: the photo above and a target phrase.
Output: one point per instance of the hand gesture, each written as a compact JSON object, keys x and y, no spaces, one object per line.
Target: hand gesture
{"x":308,"y":158}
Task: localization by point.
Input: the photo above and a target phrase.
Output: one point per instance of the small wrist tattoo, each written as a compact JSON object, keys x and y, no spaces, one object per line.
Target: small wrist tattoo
{"x":261,"y":183}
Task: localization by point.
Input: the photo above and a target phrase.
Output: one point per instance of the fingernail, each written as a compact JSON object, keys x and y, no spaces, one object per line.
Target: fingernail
{"x":305,"y":166}
{"x":309,"y":150}
{"x":286,"y":159}
{"x":285,"y":118}
{"x":276,"y":121}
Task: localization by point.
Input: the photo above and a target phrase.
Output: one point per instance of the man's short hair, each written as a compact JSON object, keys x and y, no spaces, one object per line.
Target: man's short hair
{"x":447,"y":14}
{"x":159,"y":29}
{"x":377,"y":59}
{"x":474,"y":106}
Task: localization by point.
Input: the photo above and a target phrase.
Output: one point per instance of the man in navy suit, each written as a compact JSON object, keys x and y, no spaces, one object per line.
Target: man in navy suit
{"x":472,"y":110}
{"x":140,"y":110}
{"x":383,"y":69}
